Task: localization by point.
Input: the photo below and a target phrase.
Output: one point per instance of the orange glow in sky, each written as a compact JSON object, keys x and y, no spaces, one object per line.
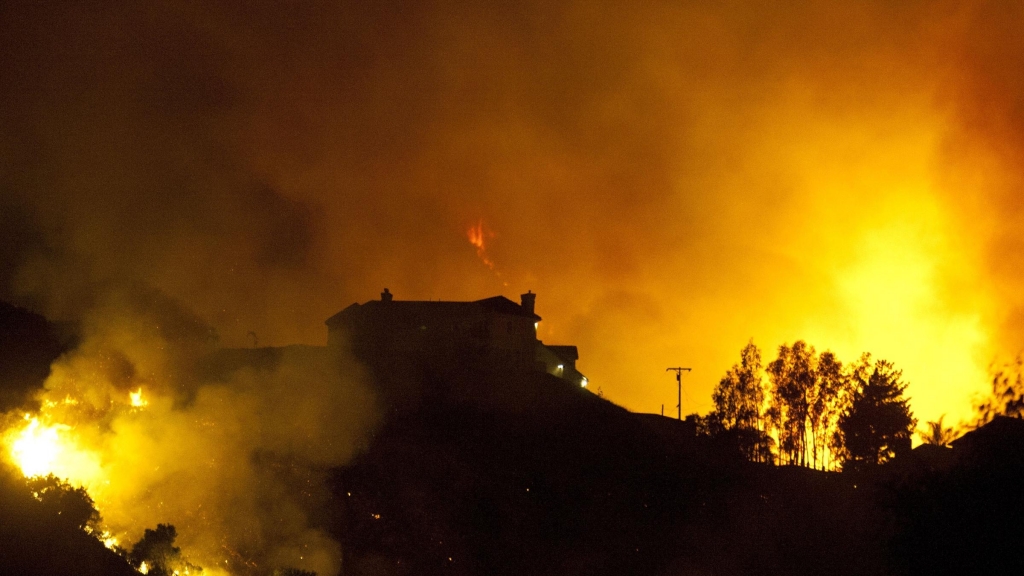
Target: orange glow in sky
{"x":671,"y":179}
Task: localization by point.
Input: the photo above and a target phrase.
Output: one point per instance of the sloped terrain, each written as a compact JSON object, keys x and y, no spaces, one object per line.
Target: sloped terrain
{"x":526,"y":474}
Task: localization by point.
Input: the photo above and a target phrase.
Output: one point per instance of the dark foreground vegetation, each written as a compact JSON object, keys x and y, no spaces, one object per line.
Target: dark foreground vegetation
{"x":490,"y":473}
{"x":528,"y":475}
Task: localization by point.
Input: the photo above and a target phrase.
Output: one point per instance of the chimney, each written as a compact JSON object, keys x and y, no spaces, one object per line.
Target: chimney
{"x":385,"y":296}
{"x":528,"y":300}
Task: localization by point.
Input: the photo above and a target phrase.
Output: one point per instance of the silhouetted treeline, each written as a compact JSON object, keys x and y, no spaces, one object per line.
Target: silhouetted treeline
{"x":811,"y":409}
{"x":1007,"y":395}
{"x":44,"y":530}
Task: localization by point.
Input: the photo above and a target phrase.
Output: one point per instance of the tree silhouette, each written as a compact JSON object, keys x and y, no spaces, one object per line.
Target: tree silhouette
{"x":1007,"y":396}
{"x":829,"y":398}
{"x":878,"y":423}
{"x":66,"y":502}
{"x":936,"y":434}
{"x":157,"y":550}
{"x":739,"y":401}
{"x":793,"y":380}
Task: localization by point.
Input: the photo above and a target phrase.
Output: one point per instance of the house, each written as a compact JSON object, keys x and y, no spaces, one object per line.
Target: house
{"x":495,"y":331}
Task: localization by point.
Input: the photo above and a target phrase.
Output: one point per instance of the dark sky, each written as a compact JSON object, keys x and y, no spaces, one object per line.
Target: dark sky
{"x":672,"y":178}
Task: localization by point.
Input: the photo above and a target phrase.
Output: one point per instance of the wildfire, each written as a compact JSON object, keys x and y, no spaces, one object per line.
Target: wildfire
{"x":40,"y":449}
{"x":36,"y":448}
{"x":136,"y":400}
{"x":478,"y":235}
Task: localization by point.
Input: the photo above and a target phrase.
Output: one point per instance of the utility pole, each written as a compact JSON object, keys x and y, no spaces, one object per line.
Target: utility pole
{"x":679,"y":381}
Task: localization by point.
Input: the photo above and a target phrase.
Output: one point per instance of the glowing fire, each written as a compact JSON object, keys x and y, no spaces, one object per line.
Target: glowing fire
{"x":36,"y":448}
{"x":136,"y":400}
{"x":477,"y":235}
{"x":40,"y":449}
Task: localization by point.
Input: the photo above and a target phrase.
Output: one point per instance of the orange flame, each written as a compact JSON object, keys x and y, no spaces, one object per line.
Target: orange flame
{"x":477,"y":235}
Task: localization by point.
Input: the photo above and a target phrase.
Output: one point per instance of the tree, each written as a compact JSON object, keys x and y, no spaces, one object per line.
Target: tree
{"x":830,"y":397}
{"x":739,"y":401}
{"x":878,"y":423}
{"x":936,"y":434}
{"x":1007,"y":396}
{"x":157,"y":551}
{"x":793,"y":380}
{"x":72,"y":505}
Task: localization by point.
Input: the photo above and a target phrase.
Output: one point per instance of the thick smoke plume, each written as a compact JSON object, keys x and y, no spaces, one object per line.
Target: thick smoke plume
{"x":671,"y":177}
{"x":232,"y":447}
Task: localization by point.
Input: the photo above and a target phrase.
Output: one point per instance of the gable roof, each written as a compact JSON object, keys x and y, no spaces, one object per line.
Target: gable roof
{"x":496,"y":304}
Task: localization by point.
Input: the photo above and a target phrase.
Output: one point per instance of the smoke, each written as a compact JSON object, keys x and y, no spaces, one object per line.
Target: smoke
{"x":671,"y":178}
{"x":231,"y":447}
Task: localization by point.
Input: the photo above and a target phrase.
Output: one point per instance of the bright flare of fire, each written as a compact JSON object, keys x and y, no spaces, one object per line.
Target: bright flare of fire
{"x":477,"y":237}
{"x":136,"y":400}
{"x":41,"y":449}
{"x":36,"y":448}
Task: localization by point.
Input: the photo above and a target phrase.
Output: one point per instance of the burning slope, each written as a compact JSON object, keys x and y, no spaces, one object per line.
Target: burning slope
{"x":234,"y":460}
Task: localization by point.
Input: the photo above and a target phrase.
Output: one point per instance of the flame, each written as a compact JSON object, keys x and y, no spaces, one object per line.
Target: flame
{"x":36,"y":448}
{"x":40,"y":449}
{"x":136,"y":400}
{"x":143,"y":568}
{"x":476,"y":235}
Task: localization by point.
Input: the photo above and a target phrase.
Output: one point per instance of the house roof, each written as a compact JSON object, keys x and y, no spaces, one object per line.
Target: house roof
{"x":567,"y":353}
{"x":1000,"y":429}
{"x":497,"y":304}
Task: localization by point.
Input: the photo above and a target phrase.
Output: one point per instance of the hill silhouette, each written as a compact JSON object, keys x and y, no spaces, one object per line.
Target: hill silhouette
{"x":477,"y":471}
{"x":526,"y":473}
{"x":28,"y":345}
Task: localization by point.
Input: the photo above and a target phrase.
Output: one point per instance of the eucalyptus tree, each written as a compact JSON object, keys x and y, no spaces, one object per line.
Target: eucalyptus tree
{"x":739,"y":400}
{"x":829,"y":398}
{"x":793,"y":379}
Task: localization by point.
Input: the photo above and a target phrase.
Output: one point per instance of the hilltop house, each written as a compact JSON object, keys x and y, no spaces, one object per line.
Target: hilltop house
{"x":496,"y":331}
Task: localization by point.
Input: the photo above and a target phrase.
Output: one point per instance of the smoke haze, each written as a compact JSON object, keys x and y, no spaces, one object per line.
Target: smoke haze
{"x":233,"y":448}
{"x":672,"y":178}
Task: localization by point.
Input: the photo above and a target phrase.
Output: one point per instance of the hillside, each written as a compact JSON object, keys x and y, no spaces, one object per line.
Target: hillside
{"x":28,"y":345}
{"x":526,"y":474}
{"x":481,"y":472}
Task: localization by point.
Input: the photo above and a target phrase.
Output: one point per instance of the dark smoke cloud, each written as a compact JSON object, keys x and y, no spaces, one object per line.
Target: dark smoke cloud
{"x":671,"y":177}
